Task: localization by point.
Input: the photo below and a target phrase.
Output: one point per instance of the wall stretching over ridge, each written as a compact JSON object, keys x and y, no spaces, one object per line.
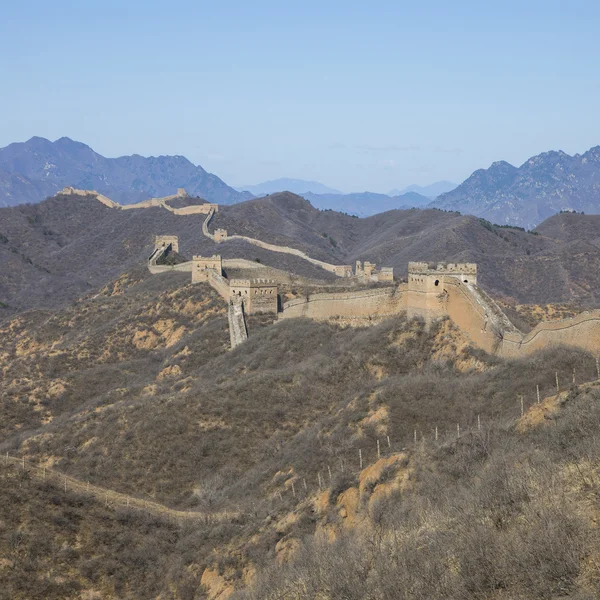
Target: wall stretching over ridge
{"x":272,"y":247}
{"x":150,"y":203}
{"x":581,"y":331}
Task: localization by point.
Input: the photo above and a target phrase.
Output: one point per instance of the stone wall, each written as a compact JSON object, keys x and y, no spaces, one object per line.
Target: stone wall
{"x":364,"y":304}
{"x":71,"y":191}
{"x":581,"y":331}
{"x":238,"y":333}
{"x":220,"y":284}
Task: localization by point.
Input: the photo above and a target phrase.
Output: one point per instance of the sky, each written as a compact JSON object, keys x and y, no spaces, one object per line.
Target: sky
{"x":357,"y":95}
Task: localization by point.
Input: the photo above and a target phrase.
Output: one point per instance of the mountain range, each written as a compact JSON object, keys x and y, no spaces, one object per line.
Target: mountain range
{"x":523,"y":196}
{"x":33,"y":170}
{"x":542,"y":186}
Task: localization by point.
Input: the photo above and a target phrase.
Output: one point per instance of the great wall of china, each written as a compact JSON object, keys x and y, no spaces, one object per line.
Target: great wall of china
{"x":433,"y":291}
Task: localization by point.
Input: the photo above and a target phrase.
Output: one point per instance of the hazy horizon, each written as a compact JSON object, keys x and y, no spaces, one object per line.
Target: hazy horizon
{"x":343,"y":94}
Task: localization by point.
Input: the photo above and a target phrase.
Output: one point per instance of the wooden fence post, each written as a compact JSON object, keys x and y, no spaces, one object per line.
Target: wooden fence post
{"x":478,"y":423}
{"x":436,"y":433}
{"x":557,"y":386}
{"x":522,"y":406}
{"x":360,"y":458}
{"x":388,"y":437}
{"x":378,"y":450}
{"x":458,"y":430}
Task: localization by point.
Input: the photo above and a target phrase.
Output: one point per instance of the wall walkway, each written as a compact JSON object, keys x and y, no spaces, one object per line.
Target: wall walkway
{"x":238,"y":333}
{"x":364,"y":304}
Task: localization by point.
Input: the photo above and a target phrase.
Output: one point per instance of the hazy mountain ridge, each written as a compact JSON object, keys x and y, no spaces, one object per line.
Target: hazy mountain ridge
{"x":526,"y":195}
{"x":365,"y":204}
{"x":33,"y":170}
{"x":285,"y":184}
{"x":432,"y":190}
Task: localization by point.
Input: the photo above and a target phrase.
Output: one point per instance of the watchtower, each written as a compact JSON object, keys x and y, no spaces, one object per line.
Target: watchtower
{"x":164,"y":241}
{"x":426,"y":294}
{"x":202,"y":265}
{"x":220,"y":235}
{"x":258,"y":295}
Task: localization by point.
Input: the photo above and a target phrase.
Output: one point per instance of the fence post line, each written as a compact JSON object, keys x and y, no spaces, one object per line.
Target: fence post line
{"x":319,"y":477}
{"x":557,"y":386}
{"x":304,"y":482}
{"x":478,"y":423}
{"x":360,"y":458}
{"x":293,"y":490}
{"x":378,"y":450}
{"x":342,"y":464}
{"x":436,"y":433}
{"x":458,"y":430}
{"x":537,"y":389}
{"x":329,"y":471}
{"x":573,"y":375}
{"x":415,"y":436}
{"x":65,"y":484}
{"x":388,"y":440}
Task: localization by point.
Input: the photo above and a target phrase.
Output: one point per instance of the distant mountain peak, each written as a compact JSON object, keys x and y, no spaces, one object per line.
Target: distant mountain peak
{"x":524,"y":196}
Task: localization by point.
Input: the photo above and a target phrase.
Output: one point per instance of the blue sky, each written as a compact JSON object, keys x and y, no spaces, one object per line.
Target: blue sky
{"x":357,"y":95}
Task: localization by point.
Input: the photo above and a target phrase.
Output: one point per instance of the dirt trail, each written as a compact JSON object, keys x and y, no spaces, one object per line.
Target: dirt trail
{"x":112,"y":498}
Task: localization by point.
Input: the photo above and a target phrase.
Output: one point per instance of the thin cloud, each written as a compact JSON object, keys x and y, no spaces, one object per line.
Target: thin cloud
{"x":369,"y":149}
{"x":443,"y":150}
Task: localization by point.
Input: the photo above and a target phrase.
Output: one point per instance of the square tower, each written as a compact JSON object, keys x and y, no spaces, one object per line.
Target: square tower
{"x":164,"y":241}
{"x":257,"y":295}
{"x":203,"y":265}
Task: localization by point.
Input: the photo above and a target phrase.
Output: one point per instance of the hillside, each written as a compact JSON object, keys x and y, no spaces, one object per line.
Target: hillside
{"x":30,"y":171}
{"x":134,"y":390}
{"x":526,"y":195}
{"x":66,"y":246}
